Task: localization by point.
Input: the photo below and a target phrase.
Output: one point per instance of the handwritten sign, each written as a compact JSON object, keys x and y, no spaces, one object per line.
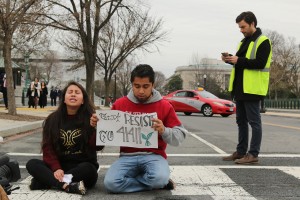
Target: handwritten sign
{"x":117,"y":128}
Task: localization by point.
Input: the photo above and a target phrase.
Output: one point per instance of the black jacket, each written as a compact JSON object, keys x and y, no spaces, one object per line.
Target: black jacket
{"x":259,"y":62}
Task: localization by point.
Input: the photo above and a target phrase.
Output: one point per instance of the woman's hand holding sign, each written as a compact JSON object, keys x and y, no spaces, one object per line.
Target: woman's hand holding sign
{"x":158,"y":126}
{"x":93,"y":120}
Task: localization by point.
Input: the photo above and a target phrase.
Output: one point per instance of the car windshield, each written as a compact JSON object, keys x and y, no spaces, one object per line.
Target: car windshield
{"x":206,"y":94}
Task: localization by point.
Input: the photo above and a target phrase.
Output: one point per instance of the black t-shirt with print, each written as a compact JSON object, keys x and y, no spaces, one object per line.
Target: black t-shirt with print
{"x":74,"y":149}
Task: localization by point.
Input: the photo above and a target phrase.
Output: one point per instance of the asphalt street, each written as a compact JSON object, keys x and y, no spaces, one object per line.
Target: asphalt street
{"x":196,"y":166}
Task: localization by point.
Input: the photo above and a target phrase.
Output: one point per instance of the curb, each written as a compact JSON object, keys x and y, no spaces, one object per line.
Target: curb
{"x":283,"y":110}
{"x":281,"y":114}
{"x":20,"y":129}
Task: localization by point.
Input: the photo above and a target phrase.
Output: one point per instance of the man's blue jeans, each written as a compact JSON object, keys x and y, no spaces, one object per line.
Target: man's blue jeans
{"x":137,"y":173}
{"x":248,"y":112}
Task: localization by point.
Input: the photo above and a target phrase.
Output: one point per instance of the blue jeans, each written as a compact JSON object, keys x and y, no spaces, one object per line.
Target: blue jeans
{"x":137,"y":173}
{"x":248,"y":112}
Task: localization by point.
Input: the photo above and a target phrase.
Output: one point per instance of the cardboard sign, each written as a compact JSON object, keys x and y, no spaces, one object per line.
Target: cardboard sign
{"x":117,"y":128}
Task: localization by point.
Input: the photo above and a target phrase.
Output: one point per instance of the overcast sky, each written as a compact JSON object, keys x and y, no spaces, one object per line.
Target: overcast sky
{"x":207,"y":27}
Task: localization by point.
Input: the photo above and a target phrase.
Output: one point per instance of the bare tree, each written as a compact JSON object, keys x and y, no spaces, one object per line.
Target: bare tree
{"x":285,"y":66}
{"x":293,"y":66}
{"x":51,"y":65}
{"x":124,"y":35}
{"x":122,"y":32}
{"x":35,"y":41}
{"x":99,"y":91}
{"x":207,"y":74}
{"x":47,"y":67}
{"x":123,"y":74}
{"x":160,"y":80}
{"x":13,"y":14}
{"x":84,"y":18}
{"x":200,"y":66}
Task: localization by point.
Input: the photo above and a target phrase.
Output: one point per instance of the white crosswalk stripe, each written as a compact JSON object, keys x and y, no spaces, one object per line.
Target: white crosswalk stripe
{"x":199,"y":180}
{"x":190,"y":180}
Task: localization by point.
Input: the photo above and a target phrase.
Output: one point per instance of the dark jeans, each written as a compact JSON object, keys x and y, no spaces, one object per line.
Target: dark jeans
{"x":248,"y":112}
{"x":30,"y":101}
{"x":85,"y":172}
{"x":4,"y":92}
{"x":53,"y":101}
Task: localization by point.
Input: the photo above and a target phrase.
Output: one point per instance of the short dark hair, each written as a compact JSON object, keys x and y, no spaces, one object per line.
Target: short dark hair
{"x":248,"y":16}
{"x":143,"y":71}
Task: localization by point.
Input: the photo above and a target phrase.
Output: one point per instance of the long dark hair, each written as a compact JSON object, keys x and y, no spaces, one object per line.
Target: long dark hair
{"x":54,"y":122}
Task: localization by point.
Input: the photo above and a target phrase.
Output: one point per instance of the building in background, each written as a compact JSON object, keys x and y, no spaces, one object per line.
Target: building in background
{"x":201,"y":74}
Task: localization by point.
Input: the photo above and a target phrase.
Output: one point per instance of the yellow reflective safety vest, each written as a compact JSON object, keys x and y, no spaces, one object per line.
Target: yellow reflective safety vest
{"x":255,"y":81}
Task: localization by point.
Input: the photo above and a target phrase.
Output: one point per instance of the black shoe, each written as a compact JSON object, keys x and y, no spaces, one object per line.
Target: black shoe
{"x":35,"y":185}
{"x":76,"y":188}
{"x":170,"y":186}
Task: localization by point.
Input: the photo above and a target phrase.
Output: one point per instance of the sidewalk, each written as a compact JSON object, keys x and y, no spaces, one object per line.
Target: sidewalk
{"x":12,"y":127}
{"x":283,"y":113}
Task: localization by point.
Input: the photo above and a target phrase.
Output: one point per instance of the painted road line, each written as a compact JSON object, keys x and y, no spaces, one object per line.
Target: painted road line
{"x":282,"y":126}
{"x":254,"y":167}
{"x":211,"y":181}
{"x":190,"y":180}
{"x":173,"y":155}
{"x":283,"y":168}
{"x":100,"y":167}
{"x":294,"y":171}
{"x":208,"y":144}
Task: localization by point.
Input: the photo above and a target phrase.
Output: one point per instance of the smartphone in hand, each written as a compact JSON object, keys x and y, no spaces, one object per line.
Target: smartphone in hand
{"x":226,"y":54}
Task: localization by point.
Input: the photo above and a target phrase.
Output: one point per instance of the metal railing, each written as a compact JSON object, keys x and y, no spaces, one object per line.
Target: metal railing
{"x":283,"y":103}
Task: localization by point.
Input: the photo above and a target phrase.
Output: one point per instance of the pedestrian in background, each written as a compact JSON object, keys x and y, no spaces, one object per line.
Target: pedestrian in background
{"x":140,"y":169}
{"x":30,"y":98}
{"x":68,"y":146}
{"x":43,"y":95}
{"x":35,"y":91}
{"x":53,"y":96}
{"x":58,"y":94}
{"x":4,"y":92}
{"x":249,"y":82}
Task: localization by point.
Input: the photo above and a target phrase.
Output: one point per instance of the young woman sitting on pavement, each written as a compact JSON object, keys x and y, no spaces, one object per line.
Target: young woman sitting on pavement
{"x":68,"y":146}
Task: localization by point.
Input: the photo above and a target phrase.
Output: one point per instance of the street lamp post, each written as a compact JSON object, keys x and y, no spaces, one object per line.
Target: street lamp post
{"x":204,"y":81}
{"x":115,"y":92}
{"x":27,"y":80}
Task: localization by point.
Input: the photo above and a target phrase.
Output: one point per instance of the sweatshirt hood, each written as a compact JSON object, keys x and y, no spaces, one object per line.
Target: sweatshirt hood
{"x":154,"y":98}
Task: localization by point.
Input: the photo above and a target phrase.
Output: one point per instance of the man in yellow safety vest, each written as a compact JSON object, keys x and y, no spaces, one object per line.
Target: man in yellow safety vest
{"x":248,"y":84}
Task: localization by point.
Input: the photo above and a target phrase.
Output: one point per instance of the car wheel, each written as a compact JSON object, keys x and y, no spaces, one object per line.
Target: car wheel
{"x":224,"y":115}
{"x":207,"y":111}
{"x":187,"y":113}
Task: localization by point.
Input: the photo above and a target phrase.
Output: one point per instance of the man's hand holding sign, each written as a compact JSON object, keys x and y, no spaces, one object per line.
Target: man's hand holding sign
{"x":117,"y":128}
